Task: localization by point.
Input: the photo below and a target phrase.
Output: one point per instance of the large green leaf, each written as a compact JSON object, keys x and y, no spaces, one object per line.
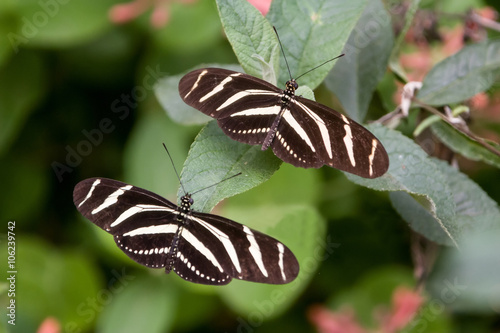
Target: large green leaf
{"x":471,"y":70}
{"x":467,"y":280}
{"x":214,"y":157}
{"x":436,"y":200}
{"x":455,"y":6}
{"x":147,"y":304}
{"x":146,"y":164}
{"x":463,"y":145}
{"x":28,"y":186}
{"x":313,"y":32}
{"x":8,"y":23}
{"x":101,"y":63}
{"x":190,"y":28}
{"x":301,"y":229}
{"x":52,"y":282}
{"x":421,"y":194}
{"x":305,"y":188}
{"x":355,"y":77}
{"x":250,"y":35}
{"x":203,"y":306}
{"x":475,"y":210}
{"x":59,"y":23}
{"x":19,"y":96}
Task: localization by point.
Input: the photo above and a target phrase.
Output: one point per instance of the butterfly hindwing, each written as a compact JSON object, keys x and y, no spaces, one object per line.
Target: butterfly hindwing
{"x":200,"y":261}
{"x":250,"y":130}
{"x":242,"y":252}
{"x":322,"y":136}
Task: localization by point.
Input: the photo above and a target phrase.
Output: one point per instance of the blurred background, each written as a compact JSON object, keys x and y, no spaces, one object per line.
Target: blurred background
{"x":77,"y":101}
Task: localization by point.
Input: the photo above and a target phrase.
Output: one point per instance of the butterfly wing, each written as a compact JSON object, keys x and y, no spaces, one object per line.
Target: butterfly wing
{"x":311,"y":135}
{"x":200,"y":248}
{"x":134,"y":216}
{"x":244,"y":106}
{"x":235,"y":249}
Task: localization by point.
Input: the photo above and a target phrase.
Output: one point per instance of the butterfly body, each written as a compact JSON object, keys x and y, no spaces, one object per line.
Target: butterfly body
{"x":300,"y":131}
{"x":201,"y":248}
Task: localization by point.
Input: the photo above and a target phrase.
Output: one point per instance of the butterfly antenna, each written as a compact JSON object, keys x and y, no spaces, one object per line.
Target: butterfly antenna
{"x":283,"y":52}
{"x":286,"y":62}
{"x":239,"y":173}
{"x":343,"y":54}
{"x":173,"y":165}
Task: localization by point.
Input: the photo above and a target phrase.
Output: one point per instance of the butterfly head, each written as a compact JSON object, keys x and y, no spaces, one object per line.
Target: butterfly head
{"x":186,"y":201}
{"x":291,"y":86}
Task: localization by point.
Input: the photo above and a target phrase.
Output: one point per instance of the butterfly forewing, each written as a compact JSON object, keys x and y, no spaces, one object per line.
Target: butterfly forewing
{"x":199,"y":263}
{"x":308,"y":134}
{"x":212,"y":90}
{"x":134,"y":217}
{"x":201,"y":248}
{"x":219,"y":92}
{"x":119,"y":207}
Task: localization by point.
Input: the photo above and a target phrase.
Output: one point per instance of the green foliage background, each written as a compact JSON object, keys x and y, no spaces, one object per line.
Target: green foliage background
{"x":81,"y":97}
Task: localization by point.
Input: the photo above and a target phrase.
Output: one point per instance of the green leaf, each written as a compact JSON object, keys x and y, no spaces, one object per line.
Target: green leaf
{"x":18,"y":175}
{"x":421,"y":194}
{"x":46,"y":274}
{"x":146,"y":304}
{"x":250,"y":34}
{"x":203,"y":306}
{"x":471,"y":70}
{"x":456,"y":6}
{"x":436,"y":200}
{"x":386,"y":89}
{"x":59,"y":23}
{"x":355,"y":77}
{"x":311,"y":33}
{"x":463,"y":145}
{"x":213,"y":157}
{"x":268,"y":72}
{"x":475,"y":211}
{"x":190,"y":28}
{"x":301,"y":229}
{"x":306,"y":92}
{"x":467,"y":280}
{"x":101,"y":62}
{"x":394,"y":63}
{"x":19,"y":96}
{"x":304,"y":189}
{"x":8,"y":23}
{"x":167,"y":93}
{"x":420,"y":212}
{"x":146,"y":164}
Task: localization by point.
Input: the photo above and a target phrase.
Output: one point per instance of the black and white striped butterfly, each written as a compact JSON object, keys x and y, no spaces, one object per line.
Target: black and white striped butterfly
{"x":299,"y":131}
{"x":201,"y":248}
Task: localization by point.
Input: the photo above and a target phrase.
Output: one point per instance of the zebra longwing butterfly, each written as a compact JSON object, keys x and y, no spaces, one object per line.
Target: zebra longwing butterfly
{"x":201,"y":248}
{"x":299,"y":131}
